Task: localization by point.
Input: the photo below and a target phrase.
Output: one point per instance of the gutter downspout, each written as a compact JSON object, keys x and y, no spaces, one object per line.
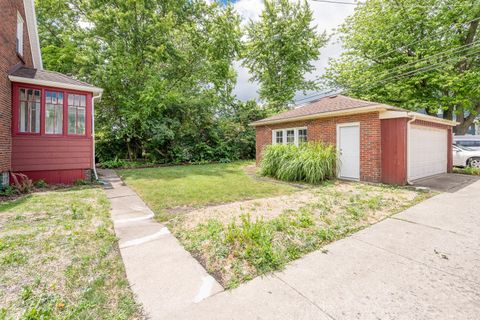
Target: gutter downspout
{"x":93,"y":134}
{"x":408,"y":146}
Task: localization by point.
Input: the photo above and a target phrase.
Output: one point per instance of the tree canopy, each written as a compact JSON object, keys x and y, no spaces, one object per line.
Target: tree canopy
{"x":280,"y":49}
{"x":166,"y":67}
{"x":417,"y":55}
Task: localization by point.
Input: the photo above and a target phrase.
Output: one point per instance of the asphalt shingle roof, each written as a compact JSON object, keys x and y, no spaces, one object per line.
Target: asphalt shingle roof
{"x":44,"y":75}
{"x":323,"y":105}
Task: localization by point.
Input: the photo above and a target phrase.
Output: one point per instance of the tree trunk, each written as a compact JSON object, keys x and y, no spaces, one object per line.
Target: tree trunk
{"x":465,"y":122}
{"x":448,"y":114}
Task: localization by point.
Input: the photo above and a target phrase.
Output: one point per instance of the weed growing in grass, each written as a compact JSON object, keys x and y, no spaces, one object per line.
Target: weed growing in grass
{"x":244,"y":248}
{"x":468,"y":170}
{"x":59,"y":259}
{"x":247,"y":248}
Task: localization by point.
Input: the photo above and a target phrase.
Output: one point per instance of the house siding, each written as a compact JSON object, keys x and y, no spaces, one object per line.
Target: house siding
{"x":325,"y":130}
{"x":9,"y":60}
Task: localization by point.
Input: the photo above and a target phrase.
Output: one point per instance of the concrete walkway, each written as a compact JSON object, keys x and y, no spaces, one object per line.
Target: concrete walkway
{"x":164,"y":277}
{"x":423,"y":263}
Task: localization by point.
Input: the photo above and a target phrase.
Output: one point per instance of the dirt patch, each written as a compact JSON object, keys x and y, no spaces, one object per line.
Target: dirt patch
{"x":268,"y":208}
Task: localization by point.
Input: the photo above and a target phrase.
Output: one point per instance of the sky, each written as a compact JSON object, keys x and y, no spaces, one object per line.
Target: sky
{"x":328,"y":16}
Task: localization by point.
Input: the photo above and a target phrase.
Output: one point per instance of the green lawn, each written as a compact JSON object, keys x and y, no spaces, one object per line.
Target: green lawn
{"x":59,"y":259}
{"x":169,"y":189}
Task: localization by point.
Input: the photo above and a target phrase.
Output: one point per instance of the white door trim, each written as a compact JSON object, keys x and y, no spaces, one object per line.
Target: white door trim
{"x":339,"y":126}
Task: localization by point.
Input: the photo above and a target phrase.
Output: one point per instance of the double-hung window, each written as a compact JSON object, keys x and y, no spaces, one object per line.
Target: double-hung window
{"x":29,"y":111}
{"x":53,"y":112}
{"x":278,"y":137}
{"x":302,"y":135}
{"x":76,"y":113}
{"x":294,"y":136}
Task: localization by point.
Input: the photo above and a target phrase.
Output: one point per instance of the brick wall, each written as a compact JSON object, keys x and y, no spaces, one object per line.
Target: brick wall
{"x":8,"y":60}
{"x":325,"y":130}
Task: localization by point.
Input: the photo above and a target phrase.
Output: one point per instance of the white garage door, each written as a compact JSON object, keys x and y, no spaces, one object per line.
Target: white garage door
{"x":427,"y":152}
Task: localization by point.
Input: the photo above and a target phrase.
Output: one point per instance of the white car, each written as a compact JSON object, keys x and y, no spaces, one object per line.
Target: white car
{"x":471,"y":142}
{"x":465,"y":157}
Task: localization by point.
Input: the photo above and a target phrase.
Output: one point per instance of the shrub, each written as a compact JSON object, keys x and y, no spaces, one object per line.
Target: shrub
{"x":40,"y":184}
{"x":22,"y":183}
{"x":113,"y":164}
{"x":311,"y":162}
{"x":81,"y":182}
{"x":8,"y":191}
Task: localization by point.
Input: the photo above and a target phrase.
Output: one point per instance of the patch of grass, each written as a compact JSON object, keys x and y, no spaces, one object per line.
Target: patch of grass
{"x":239,"y":250}
{"x":468,"y":170}
{"x":175,"y":188}
{"x":59,"y":259}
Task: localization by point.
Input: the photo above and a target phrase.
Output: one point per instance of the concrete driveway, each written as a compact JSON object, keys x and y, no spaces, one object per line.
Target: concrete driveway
{"x":423,"y":263}
{"x":446,"y":182}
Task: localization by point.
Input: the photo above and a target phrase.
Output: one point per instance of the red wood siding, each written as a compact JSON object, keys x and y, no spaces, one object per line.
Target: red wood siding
{"x":33,"y":153}
{"x":57,"y":176}
{"x":394,"y":151}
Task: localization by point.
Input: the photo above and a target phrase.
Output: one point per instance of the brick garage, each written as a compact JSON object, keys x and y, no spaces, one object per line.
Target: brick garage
{"x":383,"y":133}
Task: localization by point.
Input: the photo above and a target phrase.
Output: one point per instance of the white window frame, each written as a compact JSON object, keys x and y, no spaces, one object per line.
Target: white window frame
{"x":20,"y":24}
{"x":284,"y":134}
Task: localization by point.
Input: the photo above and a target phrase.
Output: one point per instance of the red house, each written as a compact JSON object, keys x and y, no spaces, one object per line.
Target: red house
{"x":46,"y":118}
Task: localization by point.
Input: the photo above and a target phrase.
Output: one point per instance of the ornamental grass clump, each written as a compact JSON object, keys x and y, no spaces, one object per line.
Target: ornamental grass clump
{"x":311,"y":162}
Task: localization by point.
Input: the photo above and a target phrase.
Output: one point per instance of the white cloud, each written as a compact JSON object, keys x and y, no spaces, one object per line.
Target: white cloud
{"x":327,"y":17}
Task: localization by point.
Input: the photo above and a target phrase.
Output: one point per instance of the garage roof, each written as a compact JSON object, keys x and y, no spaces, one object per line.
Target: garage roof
{"x":341,"y":105}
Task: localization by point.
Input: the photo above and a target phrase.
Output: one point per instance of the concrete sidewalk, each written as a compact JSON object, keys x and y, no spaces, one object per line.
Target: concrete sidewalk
{"x":423,"y":263}
{"x":163,"y":276}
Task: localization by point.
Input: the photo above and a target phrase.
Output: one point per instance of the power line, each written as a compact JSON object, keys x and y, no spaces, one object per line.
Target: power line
{"x":452,"y":50}
{"x":339,"y":2}
{"x":424,"y":69}
{"x":398,"y":76}
{"x":415,"y":42}
{"x":385,"y":54}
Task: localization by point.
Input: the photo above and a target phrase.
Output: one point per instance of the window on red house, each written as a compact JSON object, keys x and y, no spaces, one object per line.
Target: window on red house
{"x":29,"y":111}
{"x":76,"y":113}
{"x":53,"y":112}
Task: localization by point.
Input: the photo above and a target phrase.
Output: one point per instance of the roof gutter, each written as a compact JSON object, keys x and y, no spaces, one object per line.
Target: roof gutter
{"x":413,"y":117}
{"x":366,"y":109}
{"x":47,"y":83}
{"x":98,"y":96}
{"x":420,"y":116}
{"x":31,"y":17}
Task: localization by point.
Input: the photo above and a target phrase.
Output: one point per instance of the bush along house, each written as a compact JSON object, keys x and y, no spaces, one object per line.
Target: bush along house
{"x":46,"y":118}
{"x":374,"y":142}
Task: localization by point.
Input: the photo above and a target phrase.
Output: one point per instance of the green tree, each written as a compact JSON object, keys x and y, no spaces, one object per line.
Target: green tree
{"x":62,"y":39}
{"x":166,"y":67}
{"x":167,"y":70}
{"x":417,"y":55}
{"x":279,"y":51}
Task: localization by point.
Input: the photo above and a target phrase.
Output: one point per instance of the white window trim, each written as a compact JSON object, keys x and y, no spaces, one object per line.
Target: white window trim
{"x":284,"y":134}
{"x":20,"y":26}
